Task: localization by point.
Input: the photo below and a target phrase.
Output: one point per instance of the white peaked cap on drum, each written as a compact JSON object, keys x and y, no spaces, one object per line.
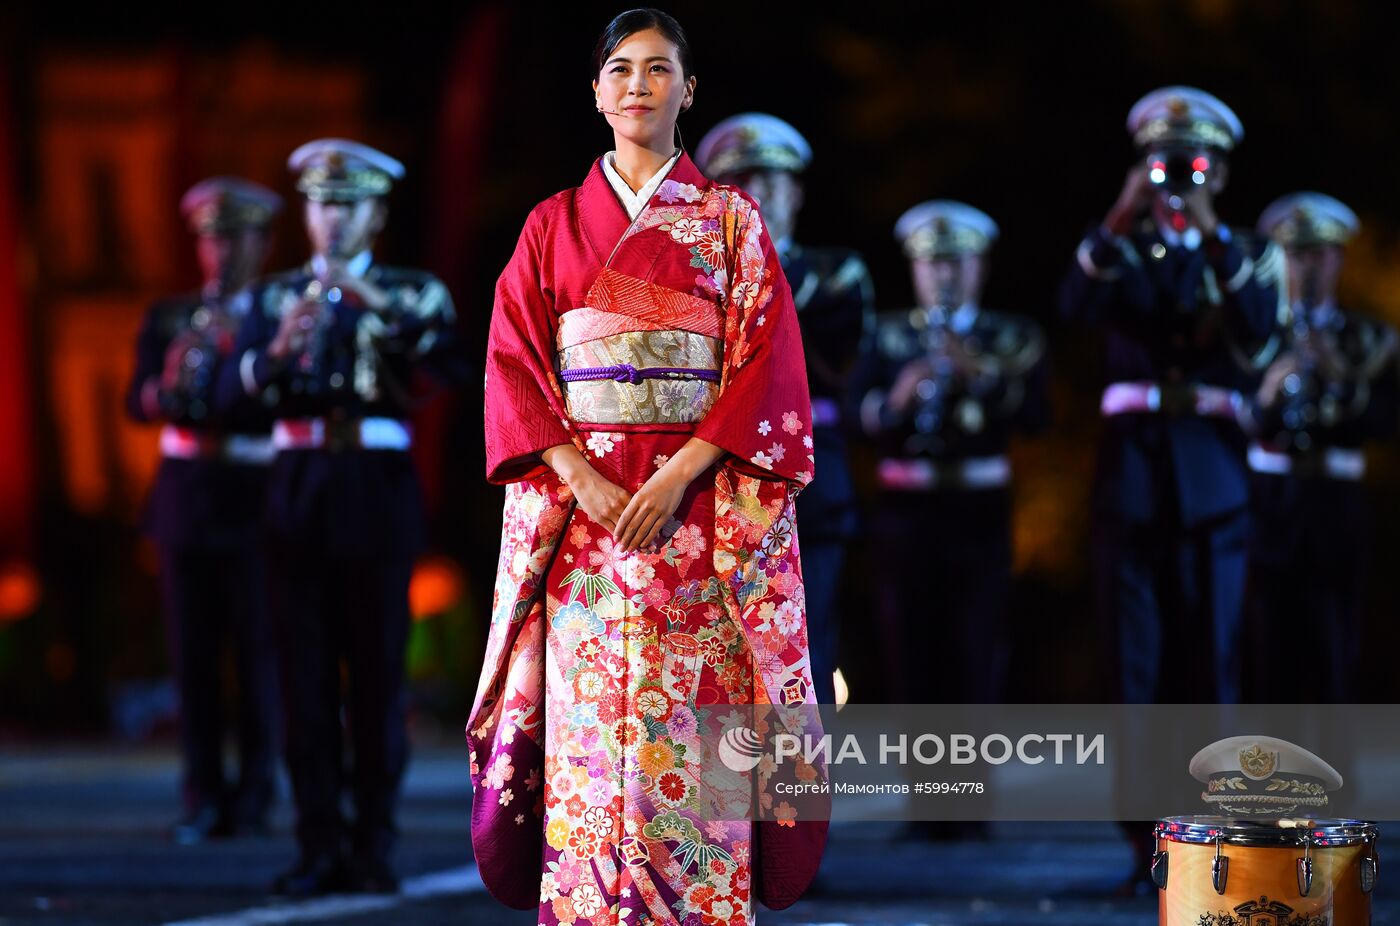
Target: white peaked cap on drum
{"x":341,"y":170}
{"x":752,"y":141}
{"x":1308,"y":219}
{"x":1262,"y":775}
{"x":221,"y":204}
{"x":945,"y":228}
{"x":1184,"y":116}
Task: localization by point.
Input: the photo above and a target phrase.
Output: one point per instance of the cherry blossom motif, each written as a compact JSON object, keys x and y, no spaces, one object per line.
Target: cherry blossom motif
{"x":499,"y":772}
{"x":764,"y":427}
{"x":660,"y":460}
{"x":746,"y":293}
{"x":519,"y":819}
{"x":587,"y":900}
{"x":600,"y":442}
{"x":600,"y":821}
{"x":557,"y":833}
{"x":637,"y":572}
{"x":785,"y":814}
{"x":687,"y":231}
{"x":761,"y":320}
{"x":562,"y":784}
{"x":583,"y":842}
{"x":807,"y":441}
{"x":506,"y":797}
{"x":762,"y":459}
{"x":792,"y":423}
{"x":788,"y":618}
{"x":777,"y":452}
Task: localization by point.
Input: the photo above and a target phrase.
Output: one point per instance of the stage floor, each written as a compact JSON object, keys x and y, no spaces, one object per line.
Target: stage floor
{"x":82,"y":841}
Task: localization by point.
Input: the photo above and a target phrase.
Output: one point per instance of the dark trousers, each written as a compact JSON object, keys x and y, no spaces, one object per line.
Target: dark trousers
{"x":212,"y":596}
{"x":329,"y":609}
{"x":1170,"y":602}
{"x":941,"y":593}
{"x":1308,"y":565}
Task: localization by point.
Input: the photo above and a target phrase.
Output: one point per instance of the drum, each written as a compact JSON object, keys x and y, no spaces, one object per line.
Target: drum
{"x":1221,"y":871}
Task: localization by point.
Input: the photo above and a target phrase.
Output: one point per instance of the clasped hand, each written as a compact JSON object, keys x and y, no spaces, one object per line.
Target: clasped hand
{"x":634,"y":519}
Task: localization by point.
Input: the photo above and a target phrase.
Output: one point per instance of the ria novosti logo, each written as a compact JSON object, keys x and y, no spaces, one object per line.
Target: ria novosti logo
{"x":740,"y":749}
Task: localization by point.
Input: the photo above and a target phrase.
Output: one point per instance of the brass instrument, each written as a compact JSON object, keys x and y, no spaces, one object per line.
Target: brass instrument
{"x":210,"y":335}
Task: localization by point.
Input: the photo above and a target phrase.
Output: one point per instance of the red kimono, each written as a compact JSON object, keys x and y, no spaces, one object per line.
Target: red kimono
{"x":595,"y":777}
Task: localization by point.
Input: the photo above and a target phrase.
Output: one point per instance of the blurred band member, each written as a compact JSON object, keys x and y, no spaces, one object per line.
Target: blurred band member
{"x":205,"y":510}
{"x":834,"y":297}
{"x":1189,"y":312}
{"x":342,"y":351}
{"x":1332,"y":388}
{"x":942,"y":389}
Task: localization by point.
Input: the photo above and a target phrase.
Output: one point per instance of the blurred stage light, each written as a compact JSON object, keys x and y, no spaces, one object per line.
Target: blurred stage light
{"x":436,"y":587}
{"x":20,"y":591}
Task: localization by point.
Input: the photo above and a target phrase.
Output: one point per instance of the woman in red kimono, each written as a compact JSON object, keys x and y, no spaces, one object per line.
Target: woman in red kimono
{"x":647,"y":411}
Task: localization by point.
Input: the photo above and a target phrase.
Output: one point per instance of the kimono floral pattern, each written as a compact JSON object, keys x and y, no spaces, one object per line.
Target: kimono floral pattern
{"x":609,"y":675}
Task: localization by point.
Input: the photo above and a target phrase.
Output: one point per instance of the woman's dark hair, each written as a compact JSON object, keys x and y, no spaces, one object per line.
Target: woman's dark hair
{"x":639,"y":20}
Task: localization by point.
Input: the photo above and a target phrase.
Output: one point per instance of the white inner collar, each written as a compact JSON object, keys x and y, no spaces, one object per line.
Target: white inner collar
{"x":356,"y":266}
{"x":634,"y":203}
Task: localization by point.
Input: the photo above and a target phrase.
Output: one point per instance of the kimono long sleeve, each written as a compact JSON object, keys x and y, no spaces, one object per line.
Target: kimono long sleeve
{"x":763,"y":414}
{"x":524,"y":408}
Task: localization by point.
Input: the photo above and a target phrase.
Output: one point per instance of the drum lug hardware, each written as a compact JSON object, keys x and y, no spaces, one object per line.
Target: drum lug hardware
{"x":1369,"y":864}
{"x":1305,"y":869}
{"x":1219,"y":869}
{"x":1159,"y":869}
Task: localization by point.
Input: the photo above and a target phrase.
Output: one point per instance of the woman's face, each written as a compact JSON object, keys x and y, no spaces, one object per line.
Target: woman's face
{"x":641,"y":89}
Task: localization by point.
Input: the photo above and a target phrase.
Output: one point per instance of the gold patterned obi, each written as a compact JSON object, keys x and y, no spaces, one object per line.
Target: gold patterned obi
{"x":639,"y":353}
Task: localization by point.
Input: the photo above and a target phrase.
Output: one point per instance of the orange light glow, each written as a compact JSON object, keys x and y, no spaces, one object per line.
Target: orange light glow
{"x":436,"y":586}
{"x":20,"y":591}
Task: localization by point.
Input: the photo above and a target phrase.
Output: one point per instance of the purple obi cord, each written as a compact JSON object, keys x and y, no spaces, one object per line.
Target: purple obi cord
{"x":626,"y":373}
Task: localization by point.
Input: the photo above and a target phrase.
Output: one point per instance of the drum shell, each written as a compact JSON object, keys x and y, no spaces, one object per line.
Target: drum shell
{"x":1257,"y":872}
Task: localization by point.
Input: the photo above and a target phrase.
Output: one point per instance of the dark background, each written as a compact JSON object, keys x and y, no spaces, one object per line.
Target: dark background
{"x":1015,"y":108}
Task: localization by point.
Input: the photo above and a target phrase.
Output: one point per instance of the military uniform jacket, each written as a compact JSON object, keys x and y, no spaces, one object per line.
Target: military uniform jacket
{"x":1171,"y":314}
{"x":965,"y":418}
{"x":834,"y":296}
{"x":1363,"y":407}
{"x":348,"y":501}
{"x":206,"y":504}
{"x":1359,"y":406}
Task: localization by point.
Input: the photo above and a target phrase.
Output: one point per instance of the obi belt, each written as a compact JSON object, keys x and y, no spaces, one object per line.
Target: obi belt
{"x":639,"y":353}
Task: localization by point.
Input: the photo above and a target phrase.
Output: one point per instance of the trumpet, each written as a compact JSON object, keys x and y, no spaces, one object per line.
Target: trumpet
{"x":316,"y":328}
{"x":210,"y":335}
